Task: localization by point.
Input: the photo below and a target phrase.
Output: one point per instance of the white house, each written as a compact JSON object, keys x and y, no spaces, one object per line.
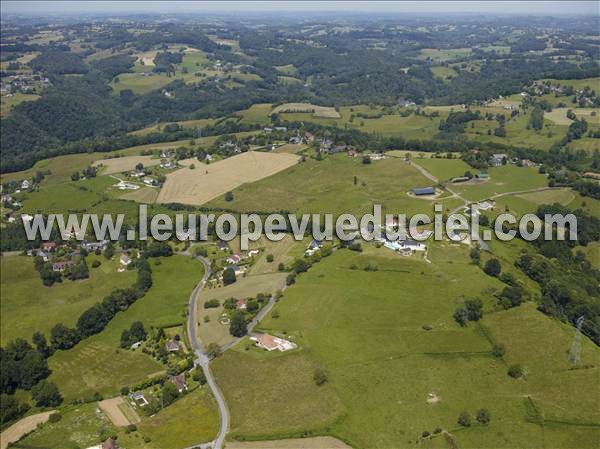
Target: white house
{"x":271,"y":343}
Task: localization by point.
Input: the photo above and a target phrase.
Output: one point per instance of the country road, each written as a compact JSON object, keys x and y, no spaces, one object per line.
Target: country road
{"x":204,"y":361}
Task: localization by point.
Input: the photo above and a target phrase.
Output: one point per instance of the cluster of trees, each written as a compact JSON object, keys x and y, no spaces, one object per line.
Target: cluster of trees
{"x":165,"y":61}
{"x":23,"y":366}
{"x":456,"y":121}
{"x":472,"y":311}
{"x":134,"y":334}
{"x":570,"y":284}
{"x":588,"y":188}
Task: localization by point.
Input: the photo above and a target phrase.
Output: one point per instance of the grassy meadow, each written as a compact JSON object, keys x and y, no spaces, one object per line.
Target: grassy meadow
{"x":27,"y":306}
{"x":382,"y":362}
{"x":328,"y":186}
{"x":97,"y":363}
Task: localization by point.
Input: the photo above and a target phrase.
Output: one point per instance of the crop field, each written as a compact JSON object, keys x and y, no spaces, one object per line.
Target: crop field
{"x":127,"y":163}
{"x":207,"y":182}
{"x":79,"y":427}
{"x":27,"y":306}
{"x":317,"y":111}
{"x":215,"y":332}
{"x":328,"y":186}
{"x":444,"y":169}
{"x":504,"y":179}
{"x":146,"y":195}
{"x":97,"y":363}
{"x":383,"y":364}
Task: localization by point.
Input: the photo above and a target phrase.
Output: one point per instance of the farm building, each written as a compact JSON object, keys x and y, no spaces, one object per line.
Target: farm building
{"x":59,"y":267}
{"x":482,"y":176}
{"x":139,"y":398}
{"x":241,"y":304}
{"x":271,"y":343}
{"x":421,"y":191}
{"x":179,"y":382}
{"x":498,"y":159}
{"x":172,"y":346}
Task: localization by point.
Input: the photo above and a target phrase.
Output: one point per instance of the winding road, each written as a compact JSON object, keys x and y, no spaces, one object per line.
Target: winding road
{"x":203,"y":360}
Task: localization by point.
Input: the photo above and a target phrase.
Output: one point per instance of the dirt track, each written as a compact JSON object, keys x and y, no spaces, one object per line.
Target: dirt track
{"x":298,"y":443}
{"x":23,"y":427}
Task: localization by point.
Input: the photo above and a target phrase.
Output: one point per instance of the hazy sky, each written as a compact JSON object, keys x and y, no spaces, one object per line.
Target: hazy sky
{"x":441,"y":7}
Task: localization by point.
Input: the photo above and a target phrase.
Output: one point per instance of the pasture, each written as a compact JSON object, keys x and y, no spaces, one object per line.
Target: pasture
{"x":97,"y":363}
{"x":503,"y":179}
{"x":444,"y":55}
{"x":206,"y":182}
{"x":200,"y":123}
{"x":146,"y":195}
{"x":126,"y":163}
{"x":444,"y":169}
{"x":190,"y":420}
{"x":27,"y":306}
{"x":383,"y":363}
{"x":79,"y":428}
{"x":315,"y":110}
{"x":329,"y":186}
{"x":559,"y":115}
{"x":8,"y":103}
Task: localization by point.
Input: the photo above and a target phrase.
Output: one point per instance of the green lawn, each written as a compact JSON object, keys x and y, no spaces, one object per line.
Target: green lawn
{"x":366,"y":330}
{"x":27,"y":306}
{"x":97,"y":363}
{"x":327,"y":186}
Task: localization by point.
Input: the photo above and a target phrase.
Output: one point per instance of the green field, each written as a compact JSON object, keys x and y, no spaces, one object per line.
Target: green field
{"x":8,"y":103}
{"x":97,"y":363}
{"x":504,"y":179}
{"x":27,"y":306}
{"x":192,"y":419}
{"x":327,"y":186}
{"x":443,"y":72}
{"x":444,"y":169}
{"x":81,"y":426}
{"x":365,"y":329}
{"x":444,"y":54}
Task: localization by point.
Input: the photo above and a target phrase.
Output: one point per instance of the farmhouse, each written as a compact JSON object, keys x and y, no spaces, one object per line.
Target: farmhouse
{"x":168,"y":165}
{"x":139,"y":398}
{"x":241,"y":304}
{"x":172,"y":346}
{"x":108,"y":444}
{"x":48,"y":246}
{"x":422,"y":191}
{"x":94,"y":246}
{"x":59,"y":267}
{"x":309,"y":137}
{"x":498,"y":159}
{"x":122,"y":185}
{"x":179,"y":382}
{"x":271,"y":343}
{"x":238,"y":270}
{"x":25,"y":184}
{"x":413,"y":245}
{"x":233,"y":259}
{"x":222,"y":245}
{"x":124,"y":259}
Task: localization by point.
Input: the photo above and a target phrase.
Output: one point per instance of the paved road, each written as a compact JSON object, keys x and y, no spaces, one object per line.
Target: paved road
{"x":203,"y":360}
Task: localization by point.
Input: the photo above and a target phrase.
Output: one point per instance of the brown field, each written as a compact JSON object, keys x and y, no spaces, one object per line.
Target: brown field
{"x":317,"y":111}
{"x":146,"y":195}
{"x":290,"y":148}
{"x":22,"y":428}
{"x":206,"y":182}
{"x":294,"y":443}
{"x":127,"y":163}
{"x":119,"y":411}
